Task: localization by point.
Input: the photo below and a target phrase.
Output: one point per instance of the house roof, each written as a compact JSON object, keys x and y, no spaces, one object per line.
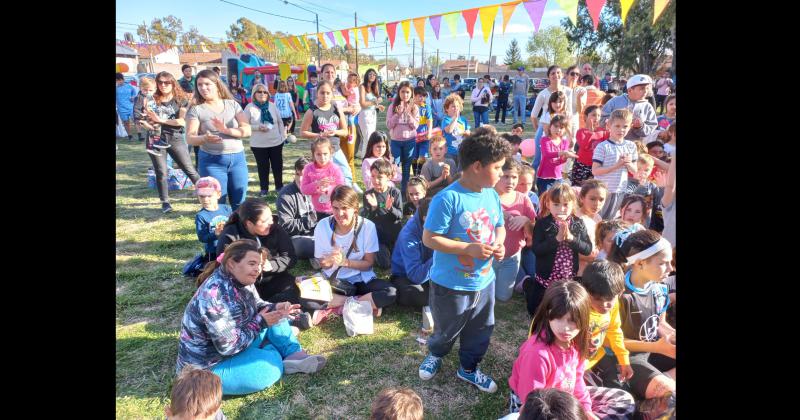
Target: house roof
{"x":204,"y":57}
{"x":125,"y":50}
{"x":145,"y":50}
{"x":457,"y":64}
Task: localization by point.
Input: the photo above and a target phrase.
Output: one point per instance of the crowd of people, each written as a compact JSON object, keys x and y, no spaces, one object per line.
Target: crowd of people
{"x":460,"y":214}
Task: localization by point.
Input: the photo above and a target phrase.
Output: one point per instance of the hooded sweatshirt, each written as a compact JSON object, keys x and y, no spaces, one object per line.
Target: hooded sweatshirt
{"x":411,"y":258}
{"x":641,"y":109}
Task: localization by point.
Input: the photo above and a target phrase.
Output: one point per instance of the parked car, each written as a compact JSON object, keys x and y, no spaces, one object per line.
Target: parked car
{"x":510,"y":109}
{"x":537,"y":84}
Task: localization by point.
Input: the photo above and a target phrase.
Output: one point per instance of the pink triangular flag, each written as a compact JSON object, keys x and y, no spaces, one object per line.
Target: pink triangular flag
{"x":470,"y":15}
{"x":535,"y":10}
{"x":436,"y":21}
{"x":595,"y":7}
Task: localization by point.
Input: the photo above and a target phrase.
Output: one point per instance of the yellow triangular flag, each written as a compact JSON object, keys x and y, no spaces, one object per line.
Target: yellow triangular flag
{"x":419,"y":25}
{"x":571,"y":7}
{"x":487,"y":15}
{"x":626,"y":5}
{"x":406,"y":24}
{"x":321,"y":40}
{"x":508,"y":10}
{"x":365,"y":35}
{"x":658,"y":8}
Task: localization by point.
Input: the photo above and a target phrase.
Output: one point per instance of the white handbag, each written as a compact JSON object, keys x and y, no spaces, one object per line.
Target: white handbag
{"x":357,"y":316}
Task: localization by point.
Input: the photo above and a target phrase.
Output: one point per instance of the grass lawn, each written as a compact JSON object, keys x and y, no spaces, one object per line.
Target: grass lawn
{"x":151,"y":295}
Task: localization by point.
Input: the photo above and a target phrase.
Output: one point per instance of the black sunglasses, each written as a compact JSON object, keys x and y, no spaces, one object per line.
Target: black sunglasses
{"x":164,"y":82}
{"x":574,"y":74}
{"x":261,"y":91}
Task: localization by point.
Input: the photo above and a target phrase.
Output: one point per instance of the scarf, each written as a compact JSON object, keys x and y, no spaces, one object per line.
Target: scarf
{"x":266,"y":116}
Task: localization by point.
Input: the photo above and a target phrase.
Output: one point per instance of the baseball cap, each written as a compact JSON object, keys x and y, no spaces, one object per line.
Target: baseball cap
{"x":639,"y":79}
{"x":207,"y":185}
{"x":521,"y":68}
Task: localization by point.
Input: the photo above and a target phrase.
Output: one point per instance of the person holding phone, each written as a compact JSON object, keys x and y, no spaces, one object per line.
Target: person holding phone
{"x":267,"y":139}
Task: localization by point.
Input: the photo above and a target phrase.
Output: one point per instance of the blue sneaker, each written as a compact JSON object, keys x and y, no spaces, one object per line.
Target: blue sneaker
{"x":477,"y":378}
{"x":429,"y":367}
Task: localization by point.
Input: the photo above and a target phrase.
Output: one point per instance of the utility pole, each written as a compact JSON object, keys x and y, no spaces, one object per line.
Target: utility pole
{"x":489,"y":72}
{"x":413,"y":45}
{"x":422,"y":59}
{"x":319,"y":58}
{"x":469,"y":58}
{"x":355,"y":35}
{"x":386,"y":60}
{"x":149,"y":46}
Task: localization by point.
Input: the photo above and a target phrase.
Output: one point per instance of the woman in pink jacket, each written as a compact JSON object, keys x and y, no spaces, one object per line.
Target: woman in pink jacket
{"x":402,"y":121}
{"x":554,"y":356}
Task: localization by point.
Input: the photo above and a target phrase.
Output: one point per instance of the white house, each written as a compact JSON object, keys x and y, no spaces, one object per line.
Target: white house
{"x":128,"y":56}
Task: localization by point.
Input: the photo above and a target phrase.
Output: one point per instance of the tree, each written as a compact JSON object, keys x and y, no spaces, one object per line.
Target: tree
{"x":128,"y":37}
{"x":639,"y":46}
{"x":550,"y":46}
{"x":193,"y":37}
{"x":161,"y":31}
{"x":513,"y":55}
{"x":433,"y":63}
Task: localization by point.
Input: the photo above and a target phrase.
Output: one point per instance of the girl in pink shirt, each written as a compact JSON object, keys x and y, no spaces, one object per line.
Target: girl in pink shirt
{"x":518,"y":215}
{"x":321,"y":178}
{"x":554,"y":356}
{"x":555,"y":152}
{"x":377,"y":148}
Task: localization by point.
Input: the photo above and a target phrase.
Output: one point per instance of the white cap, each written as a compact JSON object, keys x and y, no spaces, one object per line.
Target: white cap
{"x":639,"y":79}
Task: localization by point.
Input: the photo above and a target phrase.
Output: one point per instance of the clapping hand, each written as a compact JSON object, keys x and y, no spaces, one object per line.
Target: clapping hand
{"x":389,"y":201}
{"x":371,"y":200}
{"x":517,"y":222}
{"x":218,"y":124}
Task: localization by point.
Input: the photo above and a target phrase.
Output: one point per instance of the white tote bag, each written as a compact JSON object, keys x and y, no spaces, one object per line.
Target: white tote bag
{"x":357,"y":316}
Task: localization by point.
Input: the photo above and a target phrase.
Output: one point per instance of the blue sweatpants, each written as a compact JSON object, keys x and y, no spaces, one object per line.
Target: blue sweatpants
{"x":256,"y":369}
{"x":466,"y":315}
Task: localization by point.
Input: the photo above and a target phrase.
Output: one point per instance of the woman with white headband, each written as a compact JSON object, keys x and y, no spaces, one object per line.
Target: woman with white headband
{"x":647,"y":260}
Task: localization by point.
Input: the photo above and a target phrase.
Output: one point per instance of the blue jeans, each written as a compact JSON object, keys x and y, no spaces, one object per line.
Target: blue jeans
{"x":340,"y":160}
{"x":468,"y":316}
{"x":230,"y":170}
{"x":255,"y":369}
{"x":403,"y":152}
{"x":520,"y":102}
{"x":481,"y":117}
{"x":527,"y":265}
{"x":505,"y":273}
{"x":420,"y":152}
{"x":537,"y":158}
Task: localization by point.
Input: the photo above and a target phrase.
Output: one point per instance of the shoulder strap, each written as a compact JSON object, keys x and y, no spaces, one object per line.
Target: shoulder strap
{"x":352,"y":244}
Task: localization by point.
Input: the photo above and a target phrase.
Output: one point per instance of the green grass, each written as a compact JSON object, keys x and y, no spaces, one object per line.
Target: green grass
{"x":152,"y":294}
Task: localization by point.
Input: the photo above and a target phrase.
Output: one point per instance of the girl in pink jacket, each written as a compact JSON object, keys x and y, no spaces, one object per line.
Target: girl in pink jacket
{"x":321,"y":177}
{"x":554,"y":356}
{"x":402,"y":120}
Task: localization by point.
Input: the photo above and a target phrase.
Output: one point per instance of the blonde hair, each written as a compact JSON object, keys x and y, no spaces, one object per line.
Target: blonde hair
{"x":397,"y":404}
{"x":147,"y":81}
{"x":647,"y":160}
{"x":196,"y":393}
{"x":437,"y":139}
{"x":451,"y":99}
{"x":621,"y":114}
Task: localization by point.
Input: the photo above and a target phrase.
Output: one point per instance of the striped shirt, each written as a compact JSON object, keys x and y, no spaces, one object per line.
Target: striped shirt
{"x":607,"y":154}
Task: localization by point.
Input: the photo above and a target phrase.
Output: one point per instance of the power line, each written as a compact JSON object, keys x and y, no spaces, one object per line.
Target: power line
{"x":267,"y":13}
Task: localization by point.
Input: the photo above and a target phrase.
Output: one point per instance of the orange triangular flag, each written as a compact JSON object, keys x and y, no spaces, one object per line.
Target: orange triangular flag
{"x":508,"y":10}
{"x":419,"y":25}
{"x":365,"y":35}
{"x":658,"y":8}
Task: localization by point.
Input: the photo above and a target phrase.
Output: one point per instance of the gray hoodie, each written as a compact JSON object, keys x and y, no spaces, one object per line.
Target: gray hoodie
{"x":641,"y":109}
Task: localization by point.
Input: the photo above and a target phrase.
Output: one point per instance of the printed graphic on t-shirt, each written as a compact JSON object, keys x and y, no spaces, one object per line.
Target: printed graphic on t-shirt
{"x":458,"y":133}
{"x":479,"y":228}
{"x":565,"y":380}
{"x":216,"y":222}
{"x":598,"y":334}
{"x":328,"y":124}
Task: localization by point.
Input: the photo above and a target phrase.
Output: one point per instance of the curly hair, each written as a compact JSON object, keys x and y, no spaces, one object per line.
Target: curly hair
{"x":484,"y":146}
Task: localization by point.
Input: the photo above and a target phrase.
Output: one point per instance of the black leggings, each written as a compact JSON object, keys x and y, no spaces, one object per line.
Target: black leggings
{"x":289,"y":123}
{"x":266,"y":157}
{"x":180,"y":154}
{"x":410,"y":294}
{"x":502,"y":104}
{"x":383,"y":293}
{"x":280,"y":287}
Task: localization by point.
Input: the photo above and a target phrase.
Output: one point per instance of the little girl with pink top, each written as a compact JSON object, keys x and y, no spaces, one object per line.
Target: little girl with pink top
{"x":321,"y":177}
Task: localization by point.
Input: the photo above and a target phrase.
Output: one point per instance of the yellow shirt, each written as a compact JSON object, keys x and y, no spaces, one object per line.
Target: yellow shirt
{"x":606,"y":330}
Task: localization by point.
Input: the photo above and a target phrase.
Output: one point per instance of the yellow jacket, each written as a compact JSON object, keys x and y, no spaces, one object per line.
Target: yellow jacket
{"x":606,"y":330}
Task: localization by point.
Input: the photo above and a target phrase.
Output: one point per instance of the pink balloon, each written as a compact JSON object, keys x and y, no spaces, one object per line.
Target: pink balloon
{"x":528,"y":148}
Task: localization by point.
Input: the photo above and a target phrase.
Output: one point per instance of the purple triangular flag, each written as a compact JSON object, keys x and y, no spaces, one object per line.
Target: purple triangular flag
{"x":331,"y":37}
{"x":535,"y":10}
{"x":435,"y":22}
{"x":372,"y":29}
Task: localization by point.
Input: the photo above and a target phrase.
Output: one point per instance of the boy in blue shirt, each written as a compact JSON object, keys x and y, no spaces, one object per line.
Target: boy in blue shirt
{"x":210,"y":220}
{"x":454,"y":127}
{"x":465,"y":229}
{"x":424,"y":129}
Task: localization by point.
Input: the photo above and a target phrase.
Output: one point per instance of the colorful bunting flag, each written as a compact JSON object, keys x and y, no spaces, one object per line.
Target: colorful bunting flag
{"x":331,"y":37}
{"x":346,"y":34}
{"x":321,"y":40}
{"x":470,"y":15}
{"x":436,"y":21}
{"x":406,"y":24}
{"x":625,"y":5}
{"x":374,"y":28}
{"x":571,"y":7}
{"x":488,"y":14}
{"x":232,"y":47}
{"x":595,"y":7}
{"x":249,"y":46}
{"x":658,"y":8}
{"x":339,"y":38}
{"x":364,"y":36}
{"x":391,"y":30}
{"x":452,"y":22}
{"x":508,"y":10}
{"x":419,"y":25}
{"x":535,"y":10}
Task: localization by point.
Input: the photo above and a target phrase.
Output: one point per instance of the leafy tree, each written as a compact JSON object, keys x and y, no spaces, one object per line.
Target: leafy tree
{"x":128,"y":37}
{"x":513,"y":55}
{"x":193,"y":37}
{"x":639,"y":46}
{"x":161,"y":31}
{"x":550,"y":46}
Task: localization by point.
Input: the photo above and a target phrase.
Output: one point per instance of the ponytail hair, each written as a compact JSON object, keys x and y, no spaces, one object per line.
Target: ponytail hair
{"x":235,"y":250}
{"x":250,"y":210}
{"x":630,"y":241}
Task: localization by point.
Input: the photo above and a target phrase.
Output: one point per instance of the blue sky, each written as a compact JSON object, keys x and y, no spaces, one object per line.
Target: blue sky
{"x":213,"y":17}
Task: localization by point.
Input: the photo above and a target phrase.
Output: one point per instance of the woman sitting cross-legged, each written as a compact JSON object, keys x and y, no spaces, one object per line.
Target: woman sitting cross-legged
{"x":349,"y":260}
{"x":230,"y":331}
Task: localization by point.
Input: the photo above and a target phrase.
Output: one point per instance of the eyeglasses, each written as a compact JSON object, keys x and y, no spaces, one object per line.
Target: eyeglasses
{"x":576,"y":74}
{"x":164,"y":82}
{"x":261,"y":91}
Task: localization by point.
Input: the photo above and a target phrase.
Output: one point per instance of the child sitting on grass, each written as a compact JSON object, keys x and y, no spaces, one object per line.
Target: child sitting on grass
{"x":196,"y":395}
{"x":416,"y":190}
{"x":211,"y":219}
{"x":397,"y":404}
{"x":383,"y":205}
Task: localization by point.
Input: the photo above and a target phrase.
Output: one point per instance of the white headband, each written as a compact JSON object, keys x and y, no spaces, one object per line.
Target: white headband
{"x":654,"y":249}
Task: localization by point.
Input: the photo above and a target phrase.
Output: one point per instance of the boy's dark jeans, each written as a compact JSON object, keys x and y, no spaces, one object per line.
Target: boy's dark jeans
{"x":466,"y":315}
{"x":180,"y":155}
